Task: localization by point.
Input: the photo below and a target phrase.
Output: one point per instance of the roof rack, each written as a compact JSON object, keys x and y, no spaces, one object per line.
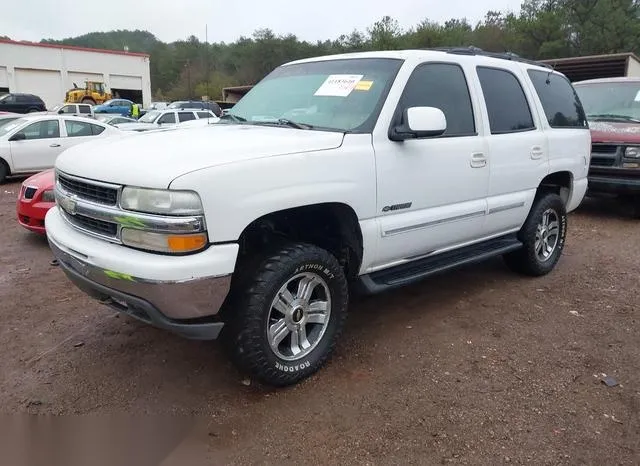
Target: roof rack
{"x":471,"y":50}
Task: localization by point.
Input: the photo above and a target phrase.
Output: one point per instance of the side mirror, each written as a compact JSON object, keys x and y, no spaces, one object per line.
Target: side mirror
{"x":420,"y":122}
{"x":18,"y":137}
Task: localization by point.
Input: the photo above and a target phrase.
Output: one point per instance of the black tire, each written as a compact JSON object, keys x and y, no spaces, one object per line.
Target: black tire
{"x":249,"y":311}
{"x":88,"y":101}
{"x":4,"y":171}
{"x":528,"y":260}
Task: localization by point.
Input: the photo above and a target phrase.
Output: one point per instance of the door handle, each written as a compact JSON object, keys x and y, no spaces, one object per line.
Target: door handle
{"x":478,"y":160}
{"x":54,"y":145}
{"x":536,"y":152}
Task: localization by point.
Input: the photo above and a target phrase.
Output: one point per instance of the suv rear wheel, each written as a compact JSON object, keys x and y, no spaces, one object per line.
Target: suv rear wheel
{"x":543,"y":236}
{"x":286,"y":314}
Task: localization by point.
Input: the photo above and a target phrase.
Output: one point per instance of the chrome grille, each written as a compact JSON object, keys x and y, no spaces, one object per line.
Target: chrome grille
{"x":89,"y":191}
{"x":94,"y":225}
{"x":604,"y":148}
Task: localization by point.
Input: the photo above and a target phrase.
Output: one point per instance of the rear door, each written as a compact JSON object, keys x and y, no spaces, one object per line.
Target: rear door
{"x":517,"y":144}
{"x":40,"y":148}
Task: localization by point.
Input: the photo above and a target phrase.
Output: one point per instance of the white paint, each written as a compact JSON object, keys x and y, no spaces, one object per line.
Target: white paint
{"x":461,"y":189}
{"x":70,"y":64}
{"x":125,"y":82}
{"x":426,"y":119}
{"x":33,"y":155}
{"x":633,"y":67}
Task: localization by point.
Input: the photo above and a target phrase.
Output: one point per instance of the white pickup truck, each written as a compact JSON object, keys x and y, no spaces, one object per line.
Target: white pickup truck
{"x":361,"y":171}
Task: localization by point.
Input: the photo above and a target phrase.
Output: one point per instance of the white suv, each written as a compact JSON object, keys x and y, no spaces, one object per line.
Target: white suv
{"x":368,"y":170}
{"x":167,"y":118}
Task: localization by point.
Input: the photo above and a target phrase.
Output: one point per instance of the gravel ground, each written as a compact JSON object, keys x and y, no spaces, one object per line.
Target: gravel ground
{"x":477,"y":366}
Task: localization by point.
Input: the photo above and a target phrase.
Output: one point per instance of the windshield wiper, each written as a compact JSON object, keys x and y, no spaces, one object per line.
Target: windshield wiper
{"x":293,"y":124}
{"x":605,"y":116}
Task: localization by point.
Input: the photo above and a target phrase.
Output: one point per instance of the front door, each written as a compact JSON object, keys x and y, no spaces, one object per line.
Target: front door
{"x":432,"y":192}
{"x":39,"y":149}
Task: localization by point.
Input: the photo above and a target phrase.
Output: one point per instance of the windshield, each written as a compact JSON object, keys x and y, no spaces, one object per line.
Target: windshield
{"x":149,"y":117}
{"x":611,"y":101}
{"x":2,"y":97}
{"x":341,"y":95}
{"x":177,"y":104}
{"x":9,"y":124}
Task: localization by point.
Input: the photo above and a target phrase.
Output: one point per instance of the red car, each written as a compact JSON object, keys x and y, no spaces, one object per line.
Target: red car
{"x":613,"y":110}
{"x":35,"y":199}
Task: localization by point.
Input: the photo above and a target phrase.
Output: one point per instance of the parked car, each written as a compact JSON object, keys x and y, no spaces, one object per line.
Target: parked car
{"x":361,"y":171}
{"x":613,"y":111}
{"x":164,"y":118}
{"x":32,"y":143}
{"x":85,"y":110}
{"x":21,"y":103}
{"x":117,"y":106}
{"x":114,"y":119}
{"x":158,"y":106}
{"x":35,"y":199}
{"x":197,"y":104}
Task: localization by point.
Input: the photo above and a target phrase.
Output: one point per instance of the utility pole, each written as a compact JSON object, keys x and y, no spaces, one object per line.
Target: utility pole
{"x":188,"y":67}
{"x":206,"y":57}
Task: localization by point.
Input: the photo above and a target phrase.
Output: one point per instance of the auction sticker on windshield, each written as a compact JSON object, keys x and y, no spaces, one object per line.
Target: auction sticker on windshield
{"x":339,"y":85}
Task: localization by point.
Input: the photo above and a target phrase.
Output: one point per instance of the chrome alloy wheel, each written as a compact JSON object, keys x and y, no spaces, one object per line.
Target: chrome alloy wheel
{"x":299,"y":316}
{"x":547,"y":235}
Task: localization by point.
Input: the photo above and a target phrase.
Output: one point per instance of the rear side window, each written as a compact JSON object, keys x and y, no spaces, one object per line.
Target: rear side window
{"x":204,"y":115}
{"x":559,"y":100}
{"x":506,"y":102}
{"x":186,"y":116}
{"x":23,"y":99}
{"x":443,"y":86}
{"x":85,"y":109}
{"x":78,"y":128}
{"x":97,"y":129}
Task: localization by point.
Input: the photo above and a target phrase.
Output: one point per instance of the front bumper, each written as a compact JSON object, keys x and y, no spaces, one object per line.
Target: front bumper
{"x":614,"y":180}
{"x":179,"y":294}
{"x":31,"y":214}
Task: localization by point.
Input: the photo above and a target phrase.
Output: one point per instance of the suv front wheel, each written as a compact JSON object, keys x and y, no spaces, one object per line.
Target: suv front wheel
{"x":543,"y":237}
{"x":286,"y":314}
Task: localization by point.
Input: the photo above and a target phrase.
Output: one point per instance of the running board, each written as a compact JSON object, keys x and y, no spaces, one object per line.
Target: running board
{"x":414,"y":271}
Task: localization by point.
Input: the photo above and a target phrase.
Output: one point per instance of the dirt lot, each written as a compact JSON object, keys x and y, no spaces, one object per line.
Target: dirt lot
{"x":474,"y":367}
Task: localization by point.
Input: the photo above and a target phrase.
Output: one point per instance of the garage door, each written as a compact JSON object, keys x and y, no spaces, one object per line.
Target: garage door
{"x":46,"y":84}
{"x":118,"y":81}
{"x":79,"y":78}
{"x":4,"y":82}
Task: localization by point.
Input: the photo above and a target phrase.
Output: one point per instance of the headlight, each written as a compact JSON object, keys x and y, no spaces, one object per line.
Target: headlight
{"x":161,"y":201}
{"x":163,"y":242}
{"x":48,"y":196}
{"x":632,"y":152}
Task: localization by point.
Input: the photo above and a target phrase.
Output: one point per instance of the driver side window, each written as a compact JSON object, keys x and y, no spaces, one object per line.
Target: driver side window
{"x":443,"y":86}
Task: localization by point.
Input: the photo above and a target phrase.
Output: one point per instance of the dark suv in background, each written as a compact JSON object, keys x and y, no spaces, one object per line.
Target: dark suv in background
{"x":21,"y":103}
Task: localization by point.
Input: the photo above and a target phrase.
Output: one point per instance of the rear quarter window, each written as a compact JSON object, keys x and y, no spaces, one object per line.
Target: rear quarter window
{"x":560,"y":102}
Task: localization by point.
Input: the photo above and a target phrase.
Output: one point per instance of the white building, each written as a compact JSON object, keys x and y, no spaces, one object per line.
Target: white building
{"x":49,"y":70}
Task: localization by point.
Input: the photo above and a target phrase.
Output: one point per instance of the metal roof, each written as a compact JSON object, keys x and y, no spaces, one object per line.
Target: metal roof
{"x":593,"y":66}
{"x":72,"y":47}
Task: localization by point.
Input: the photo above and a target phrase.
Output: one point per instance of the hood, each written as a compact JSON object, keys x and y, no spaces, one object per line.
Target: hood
{"x":153,"y":159}
{"x":620,"y":132}
{"x":42,"y":180}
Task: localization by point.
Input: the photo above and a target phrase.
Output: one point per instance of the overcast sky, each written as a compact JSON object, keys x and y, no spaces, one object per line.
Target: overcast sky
{"x":227,"y":20}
